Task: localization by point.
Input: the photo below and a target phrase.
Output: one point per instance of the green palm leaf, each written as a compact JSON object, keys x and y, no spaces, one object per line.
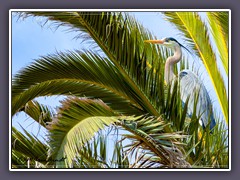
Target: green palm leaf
{"x":219,"y":28}
{"x":222,"y":19}
{"x":147,"y":134}
{"x":121,"y":38}
{"x":74,"y":74}
{"x":190,"y":24}
{"x":38,"y":112}
{"x":26,"y":146}
{"x":97,"y":154}
{"x":76,"y":123}
{"x":127,"y":75}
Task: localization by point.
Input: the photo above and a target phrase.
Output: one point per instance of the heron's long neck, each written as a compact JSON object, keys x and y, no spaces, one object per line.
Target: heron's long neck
{"x":169,"y":73}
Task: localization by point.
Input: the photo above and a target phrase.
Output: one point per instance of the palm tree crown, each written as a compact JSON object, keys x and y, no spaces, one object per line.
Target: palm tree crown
{"x":119,"y":88}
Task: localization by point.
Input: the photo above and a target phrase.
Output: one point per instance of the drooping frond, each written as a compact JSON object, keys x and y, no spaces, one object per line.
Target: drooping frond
{"x":38,"y":112}
{"x":121,"y":38}
{"x":120,"y":85}
{"x":219,"y":29}
{"x":190,"y":24}
{"x":27,"y":147}
{"x":77,"y":122}
{"x":76,"y":74}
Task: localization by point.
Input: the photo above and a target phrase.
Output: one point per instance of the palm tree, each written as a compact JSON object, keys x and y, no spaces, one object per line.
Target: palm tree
{"x":119,"y":87}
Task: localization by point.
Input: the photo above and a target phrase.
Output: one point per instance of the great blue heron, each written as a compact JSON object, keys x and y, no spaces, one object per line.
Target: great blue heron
{"x":189,"y":83}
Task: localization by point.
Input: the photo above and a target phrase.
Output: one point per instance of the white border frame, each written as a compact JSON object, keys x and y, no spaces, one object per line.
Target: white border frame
{"x":111,"y":10}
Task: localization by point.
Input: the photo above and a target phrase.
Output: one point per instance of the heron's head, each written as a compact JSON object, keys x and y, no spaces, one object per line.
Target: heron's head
{"x":168,"y":42}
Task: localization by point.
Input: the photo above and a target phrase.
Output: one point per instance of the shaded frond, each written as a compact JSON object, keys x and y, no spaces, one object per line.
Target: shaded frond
{"x":147,"y":134}
{"x":38,"y":112}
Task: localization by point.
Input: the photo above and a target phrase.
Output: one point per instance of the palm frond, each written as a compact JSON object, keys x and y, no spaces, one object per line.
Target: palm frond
{"x":93,"y":154}
{"x":76,"y":74}
{"x":127,"y":75}
{"x":26,"y":146}
{"x":147,"y":134}
{"x":222,"y":18}
{"x":190,"y":24}
{"x":210,"y":150}
{"x":97,"y":154}
{"x":76,"y":123}
{"x":219,"y":29}
{"x":121,"y":38}
{"x":19,"y":160}
{"x":38,"y":112}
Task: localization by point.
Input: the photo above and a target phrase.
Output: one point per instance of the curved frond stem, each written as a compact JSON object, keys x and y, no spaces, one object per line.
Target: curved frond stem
{"x":75,"y":87}
{"x":111,"y":56}
{"x":105,"y":28}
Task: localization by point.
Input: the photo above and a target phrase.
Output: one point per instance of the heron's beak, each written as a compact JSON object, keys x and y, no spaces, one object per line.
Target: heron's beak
{"x":154,"y":41}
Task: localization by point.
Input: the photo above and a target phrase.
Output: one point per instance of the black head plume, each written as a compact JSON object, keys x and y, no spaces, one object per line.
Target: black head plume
{"x":172,"y":39}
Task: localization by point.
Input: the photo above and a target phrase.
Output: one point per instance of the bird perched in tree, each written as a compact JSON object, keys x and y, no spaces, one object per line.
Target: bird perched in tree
{"x":189,"y":83}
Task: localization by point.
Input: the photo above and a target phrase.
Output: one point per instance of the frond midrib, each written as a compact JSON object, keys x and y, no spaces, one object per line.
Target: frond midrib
{"x":114,"y":91}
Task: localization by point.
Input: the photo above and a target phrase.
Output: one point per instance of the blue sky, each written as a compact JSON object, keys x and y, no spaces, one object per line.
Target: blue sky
{"x":30,"y":41}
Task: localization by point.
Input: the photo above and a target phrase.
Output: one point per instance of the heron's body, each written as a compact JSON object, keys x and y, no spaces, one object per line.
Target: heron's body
{"x":190,"y":85}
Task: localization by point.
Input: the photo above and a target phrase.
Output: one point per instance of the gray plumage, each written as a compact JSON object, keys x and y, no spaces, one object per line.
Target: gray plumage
{"x":190,"y":84}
